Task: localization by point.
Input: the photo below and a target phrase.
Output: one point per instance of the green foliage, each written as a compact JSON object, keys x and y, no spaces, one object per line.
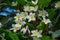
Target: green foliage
{"x":20,"y":35}
{"x":31,"y":26}
{"x":9,"y":35}
{"x":21,"y":2}
{"x":55,"y":34}
{"x":43,"y":3}
{"x":36,"y":38}
{"x":51,"y":13}
{"x":41,"y":26}
{"x":13,"y":36}
{"x":29,"y":3}
{"x":4,"y":20}
{"x":46,"y":38}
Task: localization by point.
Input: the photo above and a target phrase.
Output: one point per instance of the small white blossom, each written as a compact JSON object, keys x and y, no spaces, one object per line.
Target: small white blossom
{"x":18,"y":17}
{"x":43,"y":13}
{"x":36,"y":33}
{"x":33,"y":8}
{"x":0,"y":24}
{"x":35,"y":2}
{"x":57,"y":5}
{"x":24,"y":15}
{"x":31,"y":17}
{"x":14,"y":3}
{"x":24,"y":30}
{"x":46,"y":21}
{"x":27,"y":8}
{"x":15,"y":27}
{"x":21,"y":23}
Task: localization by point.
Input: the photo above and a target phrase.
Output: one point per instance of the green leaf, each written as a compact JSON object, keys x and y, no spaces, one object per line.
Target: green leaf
{"x":43,"y":3}
{"x":13,"y":36}
{"x":35,"y":38}
{"x":40,"y":26}
{"x":55,"y":34}
{"x":29,"y":3}
{"x":31,"y":26}
{"x":21,"y":2}
{"x":9,"y":35}
{"x":46,"y":38}
{"x":7,"y":1}
{"x":20,"y":34}
{"x":4,"y":20}
{"x":22,"y":37}
{"x":51,"y":13}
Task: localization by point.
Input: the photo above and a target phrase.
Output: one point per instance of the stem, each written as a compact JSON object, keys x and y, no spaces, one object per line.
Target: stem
{"x":45,"y":30}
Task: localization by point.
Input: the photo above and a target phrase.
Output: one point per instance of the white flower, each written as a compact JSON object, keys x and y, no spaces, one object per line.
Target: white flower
{"x":31,"y":17}
{"x":36,"y":33}
{"x":24,"y":15}
{"x":21,"y":23}
{"x":46,"y":21}
{"x":0,"y":24}
{"x":27,"y":8}
{"x":33,"y":8}
{"x":24,"y":30}
{"x":18,"y":17}
{"x":43,"y":13}
{"x":35,"y":2}
{"x":57,"y":5}
{"x":14,"y":3}
{"x":15,"y":27}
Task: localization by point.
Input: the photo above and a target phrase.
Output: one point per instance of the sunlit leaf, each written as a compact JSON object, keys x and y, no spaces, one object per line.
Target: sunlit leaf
{"x":43,"y":3}
{"x":40,"y":26}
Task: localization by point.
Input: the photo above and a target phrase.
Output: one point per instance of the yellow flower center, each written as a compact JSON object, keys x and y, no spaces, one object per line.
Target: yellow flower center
{"x":15,"y":28}
{"x":27,"y":8}
{"x":35,"y":33}
{"x":43,"y":14}
{"x":25,"y":15}
{"x":31,"y":17}
{"x":18,"y":16}
{"x":20,"y":23}
{"x":58,"y":4}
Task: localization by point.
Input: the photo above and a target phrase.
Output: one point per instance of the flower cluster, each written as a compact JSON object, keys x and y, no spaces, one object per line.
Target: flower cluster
{"x":29,"y":15}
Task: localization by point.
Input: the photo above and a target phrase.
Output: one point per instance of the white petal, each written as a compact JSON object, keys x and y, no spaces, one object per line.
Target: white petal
{"x":34,"y":31}
{"x":49,"y":20}
{"x":13,"y":25}
{"x":32,"y":35}
{"x":31,"y":8}
{"x":40,"y":31}
{"x":11,"y":29}
{"x":29,"y":20}
{"x":39,"y":36}
{"x":14,"y":30}
{"x":23,"y":30}
{"x":28,"y":31}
